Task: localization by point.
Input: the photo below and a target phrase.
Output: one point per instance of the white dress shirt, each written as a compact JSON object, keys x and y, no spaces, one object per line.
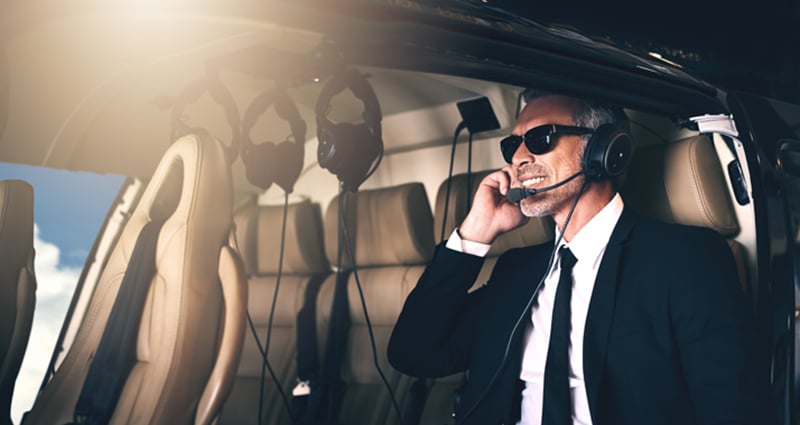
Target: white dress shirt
{"x":588,"y":246}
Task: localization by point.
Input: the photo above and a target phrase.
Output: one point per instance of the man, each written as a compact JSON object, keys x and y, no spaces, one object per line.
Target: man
{"x":653,"y":330}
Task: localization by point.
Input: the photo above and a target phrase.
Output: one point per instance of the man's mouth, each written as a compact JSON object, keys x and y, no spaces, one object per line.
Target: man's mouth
{"x":532,"y":181}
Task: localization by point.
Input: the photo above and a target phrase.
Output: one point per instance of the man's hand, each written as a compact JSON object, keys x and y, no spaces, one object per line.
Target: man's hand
{"x":491,"y":213}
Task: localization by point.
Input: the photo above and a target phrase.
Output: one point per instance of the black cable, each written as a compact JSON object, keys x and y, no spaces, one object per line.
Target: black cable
{"x":374,"y":165}
{"x":349,"y":246}
{"x":336,"y":319}
{"x":265,"y":350}
{"x":469,"y":173}
{"x":526,"y":310}
{"x":461,"y":126}
{"x":271,"y":372}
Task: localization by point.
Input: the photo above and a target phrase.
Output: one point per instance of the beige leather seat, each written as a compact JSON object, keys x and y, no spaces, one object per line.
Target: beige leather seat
{"x":439,"y":406}
{"x":17,"y":284}
{"x":258,"y":230}
{"x":193,"y":323}
{"x":683,"y":183}
{"x":391,"y":230}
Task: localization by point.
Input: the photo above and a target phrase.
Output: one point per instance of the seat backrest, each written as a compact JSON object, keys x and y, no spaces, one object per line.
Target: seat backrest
{"x":683,"y":182}
{"x":17,"y":284}
{"x":391,"y":233}
{"x":193,"y":319}
{"x":439,"y":406}
{"x":258,"y":230}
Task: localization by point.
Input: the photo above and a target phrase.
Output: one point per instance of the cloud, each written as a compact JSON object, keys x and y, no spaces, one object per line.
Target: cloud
{"x":55,"y":285}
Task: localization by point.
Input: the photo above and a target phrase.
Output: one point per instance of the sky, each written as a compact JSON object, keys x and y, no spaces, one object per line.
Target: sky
{"x":69,"y":208}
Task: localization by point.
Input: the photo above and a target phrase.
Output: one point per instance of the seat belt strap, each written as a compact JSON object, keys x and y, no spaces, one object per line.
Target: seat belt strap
{"x":338,"y":330}
{"x":116,"y":353}
{"x":417,"y":395}
{"x":324,"y":401}
{"x":307,"y":357}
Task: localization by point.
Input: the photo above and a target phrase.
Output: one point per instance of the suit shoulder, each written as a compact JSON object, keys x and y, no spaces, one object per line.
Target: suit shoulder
{"x":676,"y":235}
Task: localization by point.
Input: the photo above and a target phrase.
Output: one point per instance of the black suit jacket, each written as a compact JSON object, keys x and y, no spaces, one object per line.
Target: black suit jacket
{"x":669,"y":337}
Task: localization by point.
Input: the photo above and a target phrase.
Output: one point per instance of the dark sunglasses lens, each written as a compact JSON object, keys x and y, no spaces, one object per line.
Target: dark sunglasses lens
{"x":508,"y":146}
{"x":537,"y":140}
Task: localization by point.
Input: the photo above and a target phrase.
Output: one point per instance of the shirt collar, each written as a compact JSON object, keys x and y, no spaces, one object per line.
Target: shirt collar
{"x":585,"y":245}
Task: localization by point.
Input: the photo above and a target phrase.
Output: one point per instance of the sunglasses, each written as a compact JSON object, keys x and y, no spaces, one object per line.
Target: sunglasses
{"x":539,"y":140}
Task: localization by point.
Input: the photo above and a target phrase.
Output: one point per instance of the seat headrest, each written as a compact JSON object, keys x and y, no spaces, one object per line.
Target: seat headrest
{"x":16,"y":227}
{"x":681,"y":182}
{"x":258,"y":232}
{"x":192,"y":172}
{"x":538,"y":230}
{"x":387,"y":226}
{"x":16,"y":211}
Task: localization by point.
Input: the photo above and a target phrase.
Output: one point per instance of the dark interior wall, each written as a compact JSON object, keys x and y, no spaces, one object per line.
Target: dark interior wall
{"x":752,"y":46}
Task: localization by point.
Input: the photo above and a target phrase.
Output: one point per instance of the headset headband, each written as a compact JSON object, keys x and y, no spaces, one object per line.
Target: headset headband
{"x":358,"y":84}
{"x":284,"y":107}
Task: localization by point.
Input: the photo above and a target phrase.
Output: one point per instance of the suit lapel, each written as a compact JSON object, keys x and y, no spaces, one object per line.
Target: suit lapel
{"x":601,"y":309}
{"x":536,"y":266}
{"x":532,"y":262}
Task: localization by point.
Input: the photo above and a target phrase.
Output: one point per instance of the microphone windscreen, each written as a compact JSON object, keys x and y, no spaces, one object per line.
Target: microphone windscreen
{"x":517,"y":194}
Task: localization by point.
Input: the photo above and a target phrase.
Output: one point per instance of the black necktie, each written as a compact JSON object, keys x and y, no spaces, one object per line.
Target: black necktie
{"x":557,"y":406}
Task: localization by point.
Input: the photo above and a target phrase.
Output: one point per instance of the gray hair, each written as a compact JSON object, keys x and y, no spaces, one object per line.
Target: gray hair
{"x":591,"y":115}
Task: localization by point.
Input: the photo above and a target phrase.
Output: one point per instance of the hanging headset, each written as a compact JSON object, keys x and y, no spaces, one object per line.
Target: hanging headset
{"x":267,"y":162}
{"x":350,"y":151}
{"x":219,"y":93}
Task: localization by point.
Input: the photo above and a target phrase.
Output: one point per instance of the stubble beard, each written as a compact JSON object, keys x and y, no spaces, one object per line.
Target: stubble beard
{"x":548,"y":203}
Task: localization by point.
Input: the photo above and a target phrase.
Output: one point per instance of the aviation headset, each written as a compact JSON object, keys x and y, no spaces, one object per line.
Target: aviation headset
{"x":267,"y":162}
{"x":607,"y":153}
{"x":349,"y":150}
{"x":219,"y":93}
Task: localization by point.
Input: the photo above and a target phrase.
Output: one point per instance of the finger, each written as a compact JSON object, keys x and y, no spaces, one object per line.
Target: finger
{"x":505,"y":178}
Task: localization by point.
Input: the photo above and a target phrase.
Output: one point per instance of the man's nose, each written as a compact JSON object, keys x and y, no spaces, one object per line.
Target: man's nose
{"x":522,"y":156}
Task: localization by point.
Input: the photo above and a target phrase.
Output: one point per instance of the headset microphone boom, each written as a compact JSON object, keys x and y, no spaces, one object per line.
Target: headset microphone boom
{"x":519,"y":193}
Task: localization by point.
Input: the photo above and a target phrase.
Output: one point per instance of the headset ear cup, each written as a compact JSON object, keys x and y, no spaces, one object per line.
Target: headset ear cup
{"x":368,"y":149}
{"x":260,"y":164}
{"x":617,"y":154}
{"x":337,"y":148}
{"x":348,"y":151}
{"x":288,"y":163}
{"x":607,"y":153}
{"x":327,"y":146}
{"x":265,"y":162}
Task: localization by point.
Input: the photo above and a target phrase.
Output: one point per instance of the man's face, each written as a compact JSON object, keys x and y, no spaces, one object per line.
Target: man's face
{"x":564,"y":160}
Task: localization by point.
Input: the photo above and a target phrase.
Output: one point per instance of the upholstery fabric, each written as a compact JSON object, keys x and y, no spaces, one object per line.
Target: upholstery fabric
{"x":394,"y":226}
{"x":683,"y":183}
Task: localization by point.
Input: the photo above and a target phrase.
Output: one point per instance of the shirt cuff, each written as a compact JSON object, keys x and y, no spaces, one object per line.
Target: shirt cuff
{"x":467,"y":247}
